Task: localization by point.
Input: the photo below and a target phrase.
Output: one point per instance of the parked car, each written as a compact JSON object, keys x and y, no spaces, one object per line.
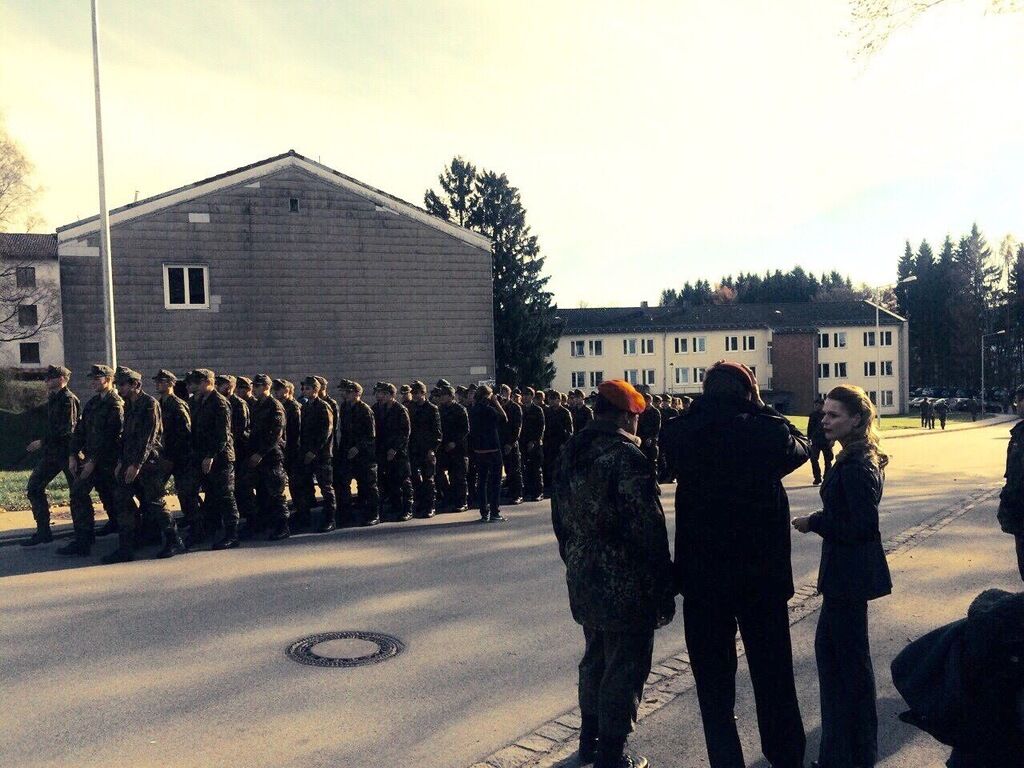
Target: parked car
{"x":915,"y":403}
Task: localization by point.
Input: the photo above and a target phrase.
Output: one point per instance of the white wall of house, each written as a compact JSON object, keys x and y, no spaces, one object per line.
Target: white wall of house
{"x":855,"y":356}
{"x":48,"y":345}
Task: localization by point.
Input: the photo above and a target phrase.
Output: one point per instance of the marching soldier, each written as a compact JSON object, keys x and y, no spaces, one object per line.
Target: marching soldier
{"x":531,"y":444}
{"x":177,"y":429}
{"x":325,"y":395}
{"x":241,"y":418}
{"x":284,"y":393}
{"x":93,"y":452}
{"x":582,"y":413}
{"x":317,"y":429}
{"x":405,"y":395}
{"x":211,"y":462}
{"x":243,"y":388}
{"x":139,"y":473}
{"x":648,"y":430}
{"x":393,"y":451}
{"x":358,"y":456}
{"x":424,"y":441}
{"x":266,"y":458}
{"x":557,"y":431}
{"x":511,"y":456}
{"x":464,"y":396}
{"x":452,"y":466}
{"x":62,"y":410}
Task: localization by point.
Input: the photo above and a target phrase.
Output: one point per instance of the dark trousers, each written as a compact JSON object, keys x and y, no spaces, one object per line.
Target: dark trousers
{"x":245,"y":490}
{"x":362,"y":469}
{"x":321,"y":468}
{"x":188,"y":498}
{"x":550,"y":453}
{"x":513,"y":462}
{"x":825,"y":451}
{"x":269,"y":479}
{"x":710,"y":628}
{"x":1020,"y":554}
{"x":82,"y":513}
{"x":533,"y":477}
{"x":488,"y":481}
{"x":149,"y":489}
{"x":472,"y":473}
{"x":49,"y":466}
{"x":612,"y":674}
{"x":395,"y":484}
{"x":452,"y":487}
{"x":218,"y":486}
{"x":423,"y":467}
{"x":846,"y":678}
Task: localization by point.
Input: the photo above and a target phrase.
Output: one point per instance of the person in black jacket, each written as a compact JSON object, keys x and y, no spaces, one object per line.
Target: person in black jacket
{"x":853,"y":571}
{"x":424,"y":441}
{"x":1011,"y":497}
{"x":732,"y":564}
{"x":511,"y":456}
{"x":486,"y":420}
{"x":393,"y":430}
{"x":820,"y":445}
{"x":531,"y":444}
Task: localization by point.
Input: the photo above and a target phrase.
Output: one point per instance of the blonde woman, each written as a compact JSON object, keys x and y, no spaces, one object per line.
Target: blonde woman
{"x":853,"y":571}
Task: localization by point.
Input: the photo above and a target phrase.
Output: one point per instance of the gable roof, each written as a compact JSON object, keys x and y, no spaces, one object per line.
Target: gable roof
{"x":16,"y":246}
{"x":249,"y":173}
{"x":781,"y":318}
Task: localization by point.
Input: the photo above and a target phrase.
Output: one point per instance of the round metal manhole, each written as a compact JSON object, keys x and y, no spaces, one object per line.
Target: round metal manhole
{"x":345,"y":649}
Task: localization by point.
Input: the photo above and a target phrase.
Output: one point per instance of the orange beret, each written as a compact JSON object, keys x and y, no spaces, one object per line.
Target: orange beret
{"x":622,"y":395}
{"x":738,"y":371}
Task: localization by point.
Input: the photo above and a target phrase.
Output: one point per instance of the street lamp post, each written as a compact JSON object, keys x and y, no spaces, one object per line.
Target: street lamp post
{"x":983,"y":337}
{"x":878,"y":338}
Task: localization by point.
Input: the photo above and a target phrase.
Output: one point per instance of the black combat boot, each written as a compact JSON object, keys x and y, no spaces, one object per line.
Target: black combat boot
{"x":281,"y":531}
{"x":230,"y":540}
{"x":371,"y":517}
{"x":108,"y":528}
{"x":196,"y":536}
{"x":173,"y":545}
{"x":328,"y":526}
{"x":485,"y":516}
{"x":41,"y":536}
{"x":406,"y":513}
{"x":496,"y":517}
{"x":588,"y":741}
{"x":77,"y":547}
{"x":119,"y":555}
{"x":611,"y":754}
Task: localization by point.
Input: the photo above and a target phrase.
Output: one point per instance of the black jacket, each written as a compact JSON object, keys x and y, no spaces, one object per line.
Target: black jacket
{"x":268,"y":426}
{"x":177,"y":423}
{"x":425,"y":427}
{"x":393,"y":428}
{"x":98,"y":433}
{"x":853,"y":565}
{"x":486,"y":420}
{"x":211,"y":427}
{"x":732,"y":513}
{"x":316,"y":428}
{"x":1011,"y":498}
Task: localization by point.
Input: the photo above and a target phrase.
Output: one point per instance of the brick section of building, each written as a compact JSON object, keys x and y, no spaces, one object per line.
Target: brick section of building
{"x":794,"y":361}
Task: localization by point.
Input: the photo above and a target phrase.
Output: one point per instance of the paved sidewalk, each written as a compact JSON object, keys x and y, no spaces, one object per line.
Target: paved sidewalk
{"x":938,"y":567}
{"x":952,"y":426}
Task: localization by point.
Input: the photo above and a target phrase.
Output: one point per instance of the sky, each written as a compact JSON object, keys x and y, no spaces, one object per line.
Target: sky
{"x":652,"y":145}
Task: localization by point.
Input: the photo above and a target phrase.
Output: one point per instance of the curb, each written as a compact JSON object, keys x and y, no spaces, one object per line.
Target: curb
{"x":918,"y":432}
{"x":557,"y":740}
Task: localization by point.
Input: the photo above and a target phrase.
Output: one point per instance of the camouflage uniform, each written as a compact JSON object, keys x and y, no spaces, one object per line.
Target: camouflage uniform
{"x":648,"y":429}
{"x":557,"y":431}
{"x":62,"y":410}
{"x":292,"y":437}
{"x":317,"y":429}
{"x":452,"y":466}
{"x":177,"y":428}
{"x":241,"y":421}
{"x":424,"y":441}
{"x":531,"y":445}
{"x":611,"y":534}
{"x":97,"y":437}
{"x":267,"y":440}
{"x":511,"y":456}
{"x":358,"y":432}
{"x":393,"y":430}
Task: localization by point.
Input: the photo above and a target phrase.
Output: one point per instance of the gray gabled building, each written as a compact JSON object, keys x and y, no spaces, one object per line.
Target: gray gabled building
{"x":286,"y":267}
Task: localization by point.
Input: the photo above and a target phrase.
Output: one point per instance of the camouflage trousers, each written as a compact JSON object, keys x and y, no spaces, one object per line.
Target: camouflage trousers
{"x":423,"y":465}
{"x":322,"y":470}
{"x":149,"y":488}
{"x":245,"y":489}
{"x":395,"y":482}
{"x":533,"y":477}
{"x":82,"y":513}
{"x":218,"y":486}
{"x":269,"y":480}
{"x":611,"y":684}
{"x":49,"y":466}
{"x":363,"y":470}
{"x":452,"y":485}
{"x":513,"y":462}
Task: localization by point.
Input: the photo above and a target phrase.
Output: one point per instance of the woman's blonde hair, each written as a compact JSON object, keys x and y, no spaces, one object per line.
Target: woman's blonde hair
{"x":857,"y":403}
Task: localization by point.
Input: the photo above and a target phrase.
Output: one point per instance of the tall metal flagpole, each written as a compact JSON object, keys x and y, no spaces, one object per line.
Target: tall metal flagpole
{"x":109,"y":337}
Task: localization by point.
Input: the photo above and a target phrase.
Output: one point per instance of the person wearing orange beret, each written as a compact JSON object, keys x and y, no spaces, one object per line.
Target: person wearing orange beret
{"x":607,"y":516}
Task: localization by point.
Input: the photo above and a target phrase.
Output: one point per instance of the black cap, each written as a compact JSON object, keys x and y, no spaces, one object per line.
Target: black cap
{"x":261,"y":379}
{"x":100,"y":370}
{"x":223,"y":378}
{"x":56,"y":371}
{"x":164,"y":375}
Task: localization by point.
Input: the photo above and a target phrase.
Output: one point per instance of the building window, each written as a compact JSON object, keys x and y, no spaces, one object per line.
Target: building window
{"x":28,"y":316}
{"x":749,"y":344}
{"x":885,"y":340}
{"x":25,"y":277}
{"x":753,"y":370}
{"x":632,"y":376}
{"x":186,"y":286}
{"x":596,"y":378}
{"x":869,"y":338}
{"x":886,"y":397}
{"x":646,"y":346}
{"x":629,"y":346}
{"x":822,"y":370}
{"x":648,"y":377}
{"x":576,"y":348}
{"x":840,"y":370}
{"x":293,"y":205}
{"x":579,"y":379}
{"x":682,"y":346}
{"x":839,"y":339}
{"x":698,"y":375}
{"x":700,"y":343}
{"x":872,"y":397}
{"x":769,"y":353}
{"x":869,"y":368}
{"x":822,"y":341}
{"x":596,"y":347}
{"x":29,"y":353}
{"x":682,"y":375}
{"x":732,"y":343}
{"x":886,"y":371}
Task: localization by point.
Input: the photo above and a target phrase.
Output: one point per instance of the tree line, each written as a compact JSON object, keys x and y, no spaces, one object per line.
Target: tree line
{"x":797,"y":285}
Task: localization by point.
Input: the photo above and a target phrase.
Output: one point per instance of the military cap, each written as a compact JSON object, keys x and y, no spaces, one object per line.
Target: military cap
{"x":436,"y":392}
{"x":262,"y":378}
{"x":164,"y":375}
{"x":344,"y":385}
{"x":460,"y":390}
{"x":405,"y":389}
{"x":384,"y":386}
{"x":244,"y":382}
{"x":355,"y":386}
{"x":417,"y":386}
{"x":56,"y":371}
{"x":517,"y":391}
{"x":125,"y":375}
{"x":223,"y":378}
{"x":529,"y":391}
{"x":623,"y":395}
{"x":554,"y":393}
{"x":100,"y":370}
{"x":577,"y":393}
{"x":322,"y":382}
{"x":443,"y":384}
{"x":311,"y":382}
{"x":655,"y":398}
{"x":200,"y":374}
{"x":281,"y":383}
{"x":472,"y":388}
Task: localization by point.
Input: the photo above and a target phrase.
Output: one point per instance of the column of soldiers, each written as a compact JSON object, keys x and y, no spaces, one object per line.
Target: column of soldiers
{"x":234,"y":445}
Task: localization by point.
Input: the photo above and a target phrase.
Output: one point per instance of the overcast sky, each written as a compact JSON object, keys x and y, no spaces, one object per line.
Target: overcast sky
{"x":652,"y":144}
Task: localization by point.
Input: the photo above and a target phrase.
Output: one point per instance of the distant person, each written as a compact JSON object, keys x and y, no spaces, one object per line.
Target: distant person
{"x":607,"y":517}
{"x":925,"y":406}
{"x":732,"y":561}
{"x":942,"y":411}
{"x":820,"y":445}
{"x":486,"y":420}
{"x":975,"y":408}
{"x":853,"y":571}
{"x":1011,"y":498}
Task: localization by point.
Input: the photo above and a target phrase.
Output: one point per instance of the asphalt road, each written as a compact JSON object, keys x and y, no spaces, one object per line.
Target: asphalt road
{"x":182,"y":663}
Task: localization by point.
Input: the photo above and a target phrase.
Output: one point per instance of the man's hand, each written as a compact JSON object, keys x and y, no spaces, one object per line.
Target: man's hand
{"x":254,"y":460}
{"x":88,"y":468}
{"x":34,"y":446}
{"x":802,"y":524}
{"x":130,"y":473}
{"x":309,"y":458}
{"x":207,"y":465}
{"x":352,"y":452}
{"x":391,"y":454}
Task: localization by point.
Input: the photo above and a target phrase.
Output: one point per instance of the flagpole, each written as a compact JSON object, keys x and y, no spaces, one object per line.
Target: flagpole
{"x":109,"y":337}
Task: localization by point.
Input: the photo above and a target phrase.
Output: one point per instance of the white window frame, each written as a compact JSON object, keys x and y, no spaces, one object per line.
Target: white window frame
{"x":887,"y":398}
{"x":839,"y":371}
{"x":732,"y":343}
{"x":632,"y":375}
{"x":186,"y":267}
{"x":647,"y":376}
{"x":823,"y":341}
{"x":869,"y":368}
{"x":886,"y":369}
{"x":595,"y":347}
{"x":579,"y":379}
{"x":700,"y":344}
{"x":596,"y":379}
{"x":869,"y":339}
{"x":839,"y":339}
{"x":576,"y":348}
{"x":627,"y":345}
{"x":646,"y":346}
{"x":682,"y":375}
{"x":698,"y":375}
{"x":884,"y":340}
{"x":682,"y":345}
{"x":823,"y":371}
{"x":749,"y":343}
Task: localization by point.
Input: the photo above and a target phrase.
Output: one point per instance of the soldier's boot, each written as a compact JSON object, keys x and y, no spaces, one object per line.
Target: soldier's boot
{"x":119,"y":555}
{"x":588,"y":741}
{"x":327,"y":525}
{"x":230,"y":540}
{"x":371,"y":516}
{"x":611,"y":754}
{"x":108,"y":528}
{"x":406,"y":507}
{"x":42,"y":535}
{"x":196,"y":535}
{"x":173,"y":545}
{"x":496,"y":517}
{"x":80,"y":546}
{"x":281,"y":530}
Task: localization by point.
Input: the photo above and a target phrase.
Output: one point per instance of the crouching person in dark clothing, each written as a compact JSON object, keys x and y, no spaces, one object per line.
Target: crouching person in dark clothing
{"x":611,"y":533}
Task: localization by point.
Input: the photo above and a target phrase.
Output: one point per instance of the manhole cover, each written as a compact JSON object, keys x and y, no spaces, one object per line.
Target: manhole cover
{"x":345,"y":649}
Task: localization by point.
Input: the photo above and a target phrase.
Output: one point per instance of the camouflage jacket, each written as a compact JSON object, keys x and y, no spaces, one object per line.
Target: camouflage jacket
{"x":336,"y":414}
{"x":316,"y":428}
{"x":98,"y":433}
{"x":1011,"y":498}
{"x":292,"y":429}
{"x":455,"y":425}
{"x":425,"y":425}
{"x":649,"y":425}
{"x":211,"y":427}
{"x":557,"y":426}
{"x":392,"y":428}
{"x":581,"y":417}
{"x":513,"y":427}
{"x":268,"y":423}
{"x":241,"y":423}
{"x":62,"y":410}
{"x":533,"y":424}
{"x":143,"y":434}
{"x":177,"y":423}
{"x":611,"y":532}
{"x":358,"y":429}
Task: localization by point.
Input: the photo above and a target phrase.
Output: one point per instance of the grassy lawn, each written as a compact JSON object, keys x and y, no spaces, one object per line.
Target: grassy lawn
{"x":12,"y":490}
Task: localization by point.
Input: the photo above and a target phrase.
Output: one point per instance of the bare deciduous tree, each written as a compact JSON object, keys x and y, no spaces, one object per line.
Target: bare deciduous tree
{"x":17,"y":194}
